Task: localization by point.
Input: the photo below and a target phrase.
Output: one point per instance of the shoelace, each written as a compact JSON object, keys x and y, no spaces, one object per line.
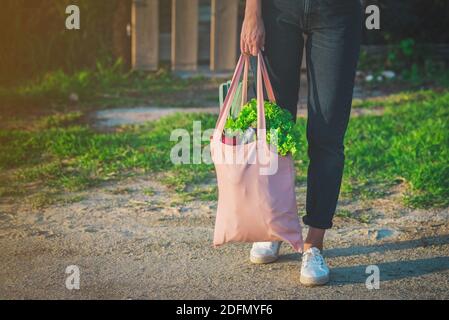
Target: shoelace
{"x":313,"y":257}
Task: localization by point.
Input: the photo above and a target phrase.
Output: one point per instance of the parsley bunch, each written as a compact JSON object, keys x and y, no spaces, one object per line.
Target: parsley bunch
{"x":278,"y":122}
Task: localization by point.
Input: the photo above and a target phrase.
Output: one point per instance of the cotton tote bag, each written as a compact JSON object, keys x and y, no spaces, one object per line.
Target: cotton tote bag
{"x":256,"y":186}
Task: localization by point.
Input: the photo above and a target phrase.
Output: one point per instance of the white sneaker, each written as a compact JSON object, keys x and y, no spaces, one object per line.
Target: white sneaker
{"x":265,"y":252}
{"x":314,"y":270}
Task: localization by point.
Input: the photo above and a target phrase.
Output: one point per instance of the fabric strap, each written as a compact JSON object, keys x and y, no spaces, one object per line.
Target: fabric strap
{"x":262,"y":78}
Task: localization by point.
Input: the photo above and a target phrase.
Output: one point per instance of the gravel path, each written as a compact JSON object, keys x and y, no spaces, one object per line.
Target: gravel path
{"x":131,"y":245}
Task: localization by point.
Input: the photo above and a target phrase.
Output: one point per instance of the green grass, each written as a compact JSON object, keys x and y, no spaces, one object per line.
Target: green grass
{"x":106,"y":85}
{"x":408,"y":144}
{"x":343,"y":213}
{"x":74,"y":157}
{"x":395,"y":100}
{"x":149,"y":192}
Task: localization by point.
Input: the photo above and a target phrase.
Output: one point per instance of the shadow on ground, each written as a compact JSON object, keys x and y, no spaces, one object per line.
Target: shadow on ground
{"x":394,"y":270}
{"x":390,"y":270}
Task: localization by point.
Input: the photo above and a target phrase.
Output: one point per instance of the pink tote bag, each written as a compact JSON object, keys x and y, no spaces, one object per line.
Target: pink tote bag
{"x":256,"y":186}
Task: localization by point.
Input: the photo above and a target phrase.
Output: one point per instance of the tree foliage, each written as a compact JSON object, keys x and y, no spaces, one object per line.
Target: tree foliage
{"x":34,"y":38}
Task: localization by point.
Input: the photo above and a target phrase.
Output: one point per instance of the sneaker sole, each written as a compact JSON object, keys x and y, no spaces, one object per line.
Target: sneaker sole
{"x":263,"y":260}
{"x":314,"y":282}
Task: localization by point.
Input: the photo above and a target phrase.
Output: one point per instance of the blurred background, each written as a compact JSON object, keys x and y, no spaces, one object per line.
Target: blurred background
{"x":86,"y":118}
{"x":190,"y":35}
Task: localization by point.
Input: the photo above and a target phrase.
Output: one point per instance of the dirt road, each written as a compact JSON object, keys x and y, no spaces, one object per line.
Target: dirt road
{"x":131,"y":245}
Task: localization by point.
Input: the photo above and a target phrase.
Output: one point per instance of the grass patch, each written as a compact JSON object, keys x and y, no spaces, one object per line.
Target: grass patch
{"x":108,"y":84}
{"x":364,"y":218}
{"x":74,"y":157}
{"x":343,"y":213}
{"x":408,"y":144}
{"x":395,"y":100}
{"x":149,"y":192}
{"x":121,"y":191}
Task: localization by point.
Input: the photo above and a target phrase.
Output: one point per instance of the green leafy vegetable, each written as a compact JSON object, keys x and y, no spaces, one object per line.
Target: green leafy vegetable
{"x":279,"y":123}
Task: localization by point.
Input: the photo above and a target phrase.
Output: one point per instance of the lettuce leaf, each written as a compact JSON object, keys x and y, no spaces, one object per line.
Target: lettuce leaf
{"x":279,"y":123}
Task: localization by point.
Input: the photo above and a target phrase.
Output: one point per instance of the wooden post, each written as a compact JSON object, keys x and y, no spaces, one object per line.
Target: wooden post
{"x":184,"y":48}
{"x":145,"y":34}
{"x":223,"y":42}
{"x":120,"y":38}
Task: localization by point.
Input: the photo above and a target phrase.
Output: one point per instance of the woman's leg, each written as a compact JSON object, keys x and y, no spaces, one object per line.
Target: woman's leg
{"x":283,"y":49}
{"x":314,"y":239}
{"x":332,"y":50}
{"x":283,"y":54}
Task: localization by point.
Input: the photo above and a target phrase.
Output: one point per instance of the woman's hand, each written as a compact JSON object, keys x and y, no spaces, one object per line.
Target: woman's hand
{"x":252,"y":38}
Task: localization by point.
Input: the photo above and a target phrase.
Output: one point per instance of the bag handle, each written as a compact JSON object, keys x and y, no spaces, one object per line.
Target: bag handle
{"x":266,"y":79}
{"x":261,"y":125}
{"x":221,"y":121}
{"x":261,"y":79}
{"x":245,"y":81}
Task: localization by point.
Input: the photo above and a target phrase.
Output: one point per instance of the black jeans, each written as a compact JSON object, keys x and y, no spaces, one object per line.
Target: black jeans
{"x":333,"y":29}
